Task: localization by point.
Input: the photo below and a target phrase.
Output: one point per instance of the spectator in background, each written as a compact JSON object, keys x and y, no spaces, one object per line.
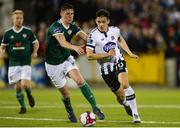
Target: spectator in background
{"x":170,"y":41}
{"x":177,"y":39}
{"x":1,"y":32}
{"x":6,"y":60}
{"x":135,"y":41}
{"x":20,"y":43}
{"x":41,"y":35}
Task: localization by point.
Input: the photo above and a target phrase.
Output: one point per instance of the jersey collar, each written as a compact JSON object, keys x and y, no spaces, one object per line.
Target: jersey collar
{"x":105,"y":33}
{"x":60,"y":21}
{"x":18,"y":30}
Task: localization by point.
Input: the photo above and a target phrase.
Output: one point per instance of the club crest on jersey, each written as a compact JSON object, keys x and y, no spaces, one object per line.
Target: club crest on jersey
{"x":109,"y":46}
{"x":69,"y":32}
{"x":24,"y":35}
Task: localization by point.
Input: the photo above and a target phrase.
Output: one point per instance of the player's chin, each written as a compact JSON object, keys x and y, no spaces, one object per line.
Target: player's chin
{"x":19,"y":25}
{"x":70,"y":21}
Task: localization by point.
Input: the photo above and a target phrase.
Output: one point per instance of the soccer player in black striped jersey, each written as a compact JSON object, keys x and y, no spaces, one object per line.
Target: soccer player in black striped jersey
{"x":103,"y":45}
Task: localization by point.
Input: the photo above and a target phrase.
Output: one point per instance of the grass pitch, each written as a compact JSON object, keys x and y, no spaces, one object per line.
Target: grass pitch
{"x":157,"y":107}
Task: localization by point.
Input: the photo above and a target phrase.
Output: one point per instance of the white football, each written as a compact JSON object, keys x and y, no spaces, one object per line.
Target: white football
{"x":88,"y":119}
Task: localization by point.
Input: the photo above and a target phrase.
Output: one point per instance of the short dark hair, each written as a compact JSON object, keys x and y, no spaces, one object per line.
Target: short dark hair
{"x":103,"y":13}
{"x":66,"y":6}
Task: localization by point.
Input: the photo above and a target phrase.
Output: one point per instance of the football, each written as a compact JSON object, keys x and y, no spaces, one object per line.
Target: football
{"x":88,"y":119}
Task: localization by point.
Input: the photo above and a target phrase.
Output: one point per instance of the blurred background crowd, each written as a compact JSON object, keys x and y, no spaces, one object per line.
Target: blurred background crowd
{"x":147,"y":25}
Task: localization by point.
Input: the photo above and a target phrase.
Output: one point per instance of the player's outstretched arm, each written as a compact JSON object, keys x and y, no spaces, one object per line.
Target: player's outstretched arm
{"x":2,"y":51}
{"x":94,"y":56}
{"x":62,"y":41}
{"x":83,"y":35}
{"x":125,"y":47}
{"x":35,"y":48}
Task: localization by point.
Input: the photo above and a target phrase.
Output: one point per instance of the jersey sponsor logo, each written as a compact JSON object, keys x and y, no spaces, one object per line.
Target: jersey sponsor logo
{"x":18,"y":46}
{"x":69,"y":32}
{"x":109,"y":46}
{"x":57,"y":30}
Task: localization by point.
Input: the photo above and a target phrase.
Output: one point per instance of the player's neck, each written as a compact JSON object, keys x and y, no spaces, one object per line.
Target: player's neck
{"x":64,"y":23}
{"x":17,"y":28}
{"x":103,"y":30}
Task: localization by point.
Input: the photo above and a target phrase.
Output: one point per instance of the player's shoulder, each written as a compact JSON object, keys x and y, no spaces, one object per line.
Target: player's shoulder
{"x":74,"y":23}
{"x":8,"y":30}
{"x":114,"y":28}
{"x":27,"y":28}
{"x":55,"y":24}
{"x":94,"y":31}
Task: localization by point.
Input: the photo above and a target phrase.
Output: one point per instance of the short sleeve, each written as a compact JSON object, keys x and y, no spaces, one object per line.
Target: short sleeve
{"x":55,"y":29}
{"x":118,"y":32}
{"x":90,"y":42}
{"x":32,"y":37}
{"x":5,"y":39}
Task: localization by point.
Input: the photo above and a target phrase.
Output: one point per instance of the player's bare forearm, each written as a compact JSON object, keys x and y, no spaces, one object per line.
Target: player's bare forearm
{"x":2,"y":51}
{"x":62,"y":41}
{"x":83,"y":35}
{"x":95,"y":56}
{"x":2,"y":48}
{"x":35,"y":48}
{"x":125,"y":47}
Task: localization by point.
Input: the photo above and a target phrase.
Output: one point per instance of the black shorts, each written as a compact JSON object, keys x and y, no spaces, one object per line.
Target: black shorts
{"x":111,"y":79}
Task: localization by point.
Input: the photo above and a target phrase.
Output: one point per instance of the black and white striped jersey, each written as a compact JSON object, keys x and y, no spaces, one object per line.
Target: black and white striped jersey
{"x":101,"y":42}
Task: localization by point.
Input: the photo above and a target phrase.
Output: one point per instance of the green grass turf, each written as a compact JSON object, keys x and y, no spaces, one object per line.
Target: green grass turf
{"x":157,"y":107}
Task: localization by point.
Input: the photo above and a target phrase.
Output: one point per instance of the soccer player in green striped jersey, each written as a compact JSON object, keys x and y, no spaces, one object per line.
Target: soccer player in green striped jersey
{"x":20,"y":44}
{"x":60,"y":64}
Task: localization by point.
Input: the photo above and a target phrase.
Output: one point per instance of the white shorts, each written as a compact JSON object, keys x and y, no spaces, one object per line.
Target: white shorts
{"x":57,"y":73}
{"x":16,"y":73}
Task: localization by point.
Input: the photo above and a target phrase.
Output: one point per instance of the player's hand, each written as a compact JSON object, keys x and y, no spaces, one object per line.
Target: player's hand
{"x":79,"y":50}
{"x":83,"y":46}
{"x":2,"y":53}
{"x":112,"y":53}
{"x":34,"y":54}
{"x":135,"y":56}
